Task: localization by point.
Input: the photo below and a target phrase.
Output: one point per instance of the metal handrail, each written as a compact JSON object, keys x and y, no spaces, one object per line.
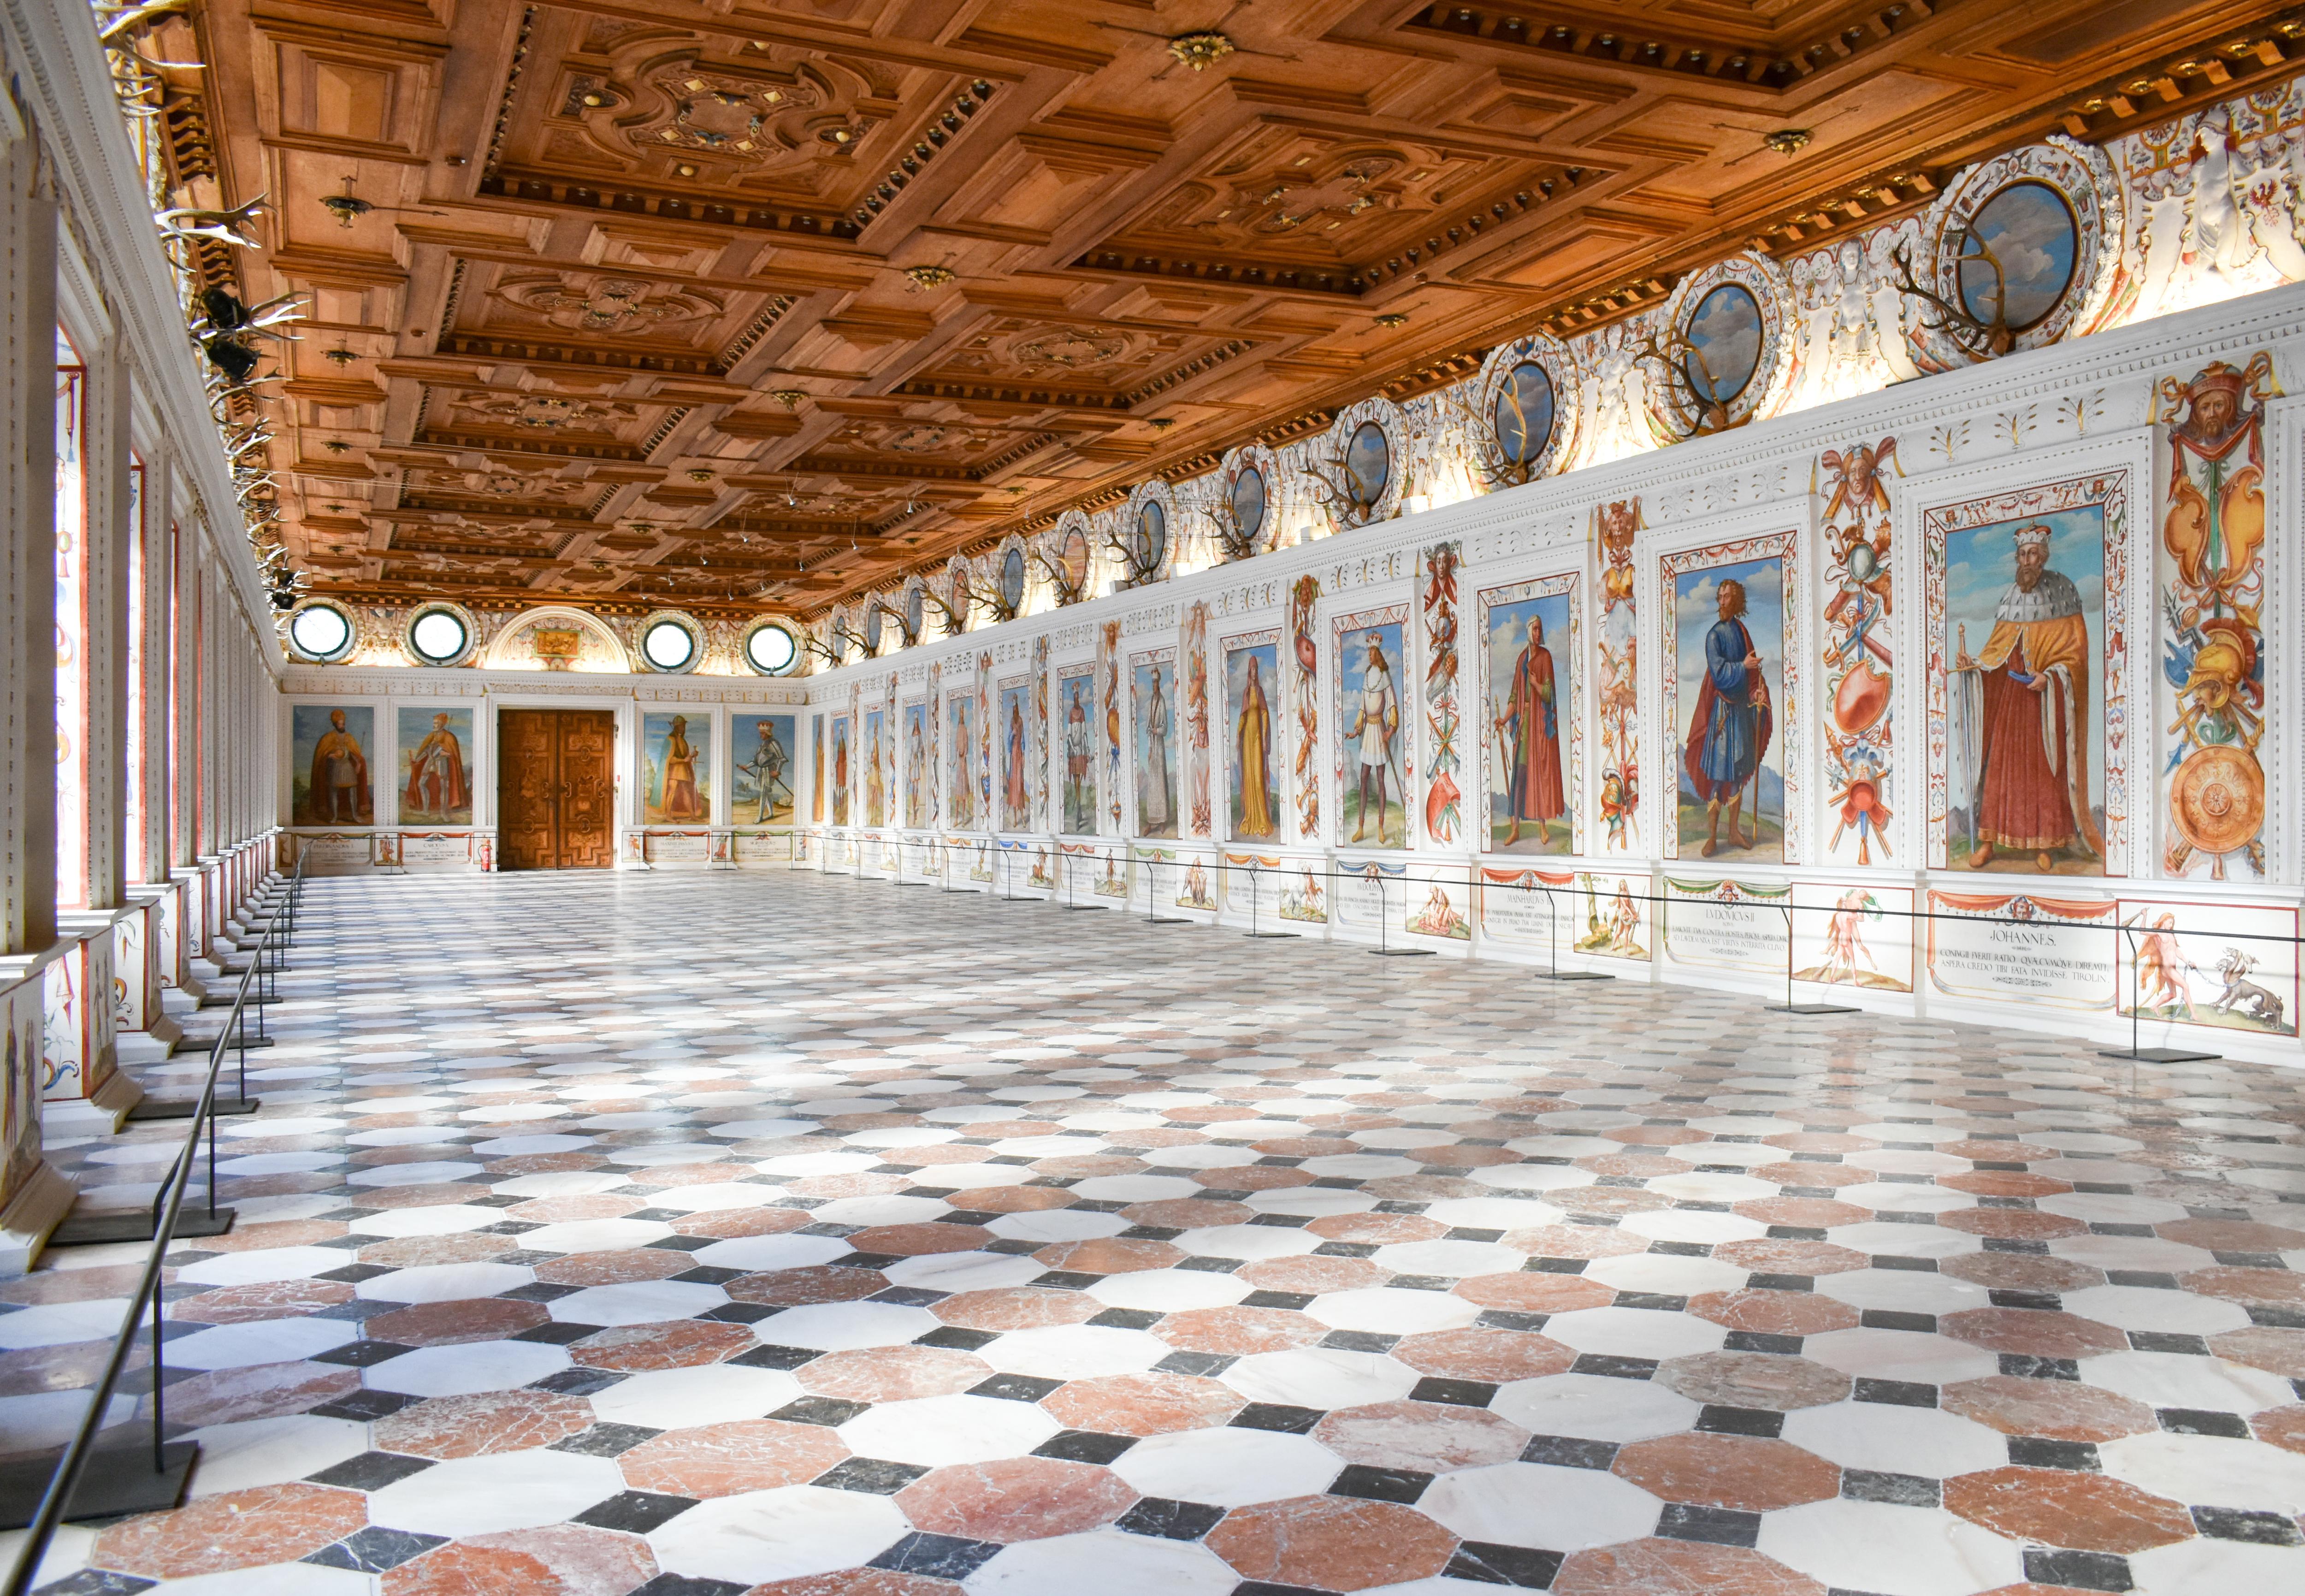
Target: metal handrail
{"x":169,"y":1204}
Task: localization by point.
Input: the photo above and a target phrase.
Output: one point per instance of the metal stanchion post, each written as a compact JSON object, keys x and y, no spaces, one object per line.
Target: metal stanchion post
{"x":1553,"y":972}
{"x":1384,"y":925}
{"x":2136,"y":1053}
{"x":1153,"y":900}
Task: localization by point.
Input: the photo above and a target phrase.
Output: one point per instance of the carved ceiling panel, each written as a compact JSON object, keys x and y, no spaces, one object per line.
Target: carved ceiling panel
{"x":767,"y":305}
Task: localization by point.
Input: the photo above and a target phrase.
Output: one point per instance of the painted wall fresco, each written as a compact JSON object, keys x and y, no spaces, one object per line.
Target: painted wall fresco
{"x":1305,"y":671}
{"x":1076,"y":702}
{"x":1252,"y":672}
{"x":761,"y":762}
{"x":1107,"y":673}
{"x":1373,"y":760}
{"x":1858,"y":936}
{"x":1617,"y":679}
{"x":436,"y":767}
{"x":2211,"y":566}
{"x":840,"y":756}
{"x":1727,"y":673}
{"x":1200,"y":817}
{"x":1017,"y":750}
{"x":2027,"y":677}
{"x":1444,"y":799}
{"x":2226,"y":965}
{"x":920,"y":776}
{"x":1153,"y":729}
{"x":331,"y":748}
{"x":675,"y":769}
{"x":816,"y":769}
{"x":986,"y":734}
{"x":960,"y":798}
{"x":1857,"y":690}
{"x":1042,"y":818}
{"x":877,"y":810}
{"x":1532,"y":730}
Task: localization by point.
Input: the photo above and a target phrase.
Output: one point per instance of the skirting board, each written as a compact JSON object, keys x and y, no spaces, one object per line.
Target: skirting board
{"x":34,"y":1211}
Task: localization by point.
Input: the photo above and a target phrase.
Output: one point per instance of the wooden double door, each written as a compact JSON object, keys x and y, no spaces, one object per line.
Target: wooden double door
{"x":556,"y":789}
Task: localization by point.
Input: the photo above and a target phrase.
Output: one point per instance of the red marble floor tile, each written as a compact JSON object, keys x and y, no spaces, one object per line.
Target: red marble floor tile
{"x":545,"y":1163}
{"x":292,"y":1233}
{"x":1753,"y":1380}
{"x":564,"y":1559}
{"x":2283,"y":1427}
{"x":1305,"y":1147}
{"x":1141,"y":1405}
{"x":700,"y":1174}
{"x":1654,"y":1135}
{"x":1015,"y":1498}
{"x":2274,"y":1350}
{"x":417,"y":1252}
{"x":2059,"y":1410}
{"x":2003,"y":1183}
{"x":1489,"y":1129}
{"x":1476,"y":1353}
{"x":856,"y":1582}
{"x":1109,"y":1255}
{"x":1606,"y":1202}
{"x":1237,"y":1332}
{"x":615,"y":1268}
{"x":1016,"y":1308}
{"x":1588,"y":1242}
{"x":718,"y":1460}
{"x":1331,"y":1543}
{"x":1152,"y":1136}
{"x":2012,"y":1224}
{"x":235,"y":1529}
{"x":1254,"y":1177}
{"x":2042,"y":1333}
{"x":2021,"y":1271}
{"x":1423,"y":1188}
{"x":673,"y":1343}
{"x":585,"y":1205}
{"x":893,"y":1373}
{"x":1809,"y":1213}
{"x":1307,"y":1272}
{"x":1769,"y":1255}
{"x":793,"y":1288}
{"x":1464,"y":1155}
{"x":1789,"y":1174}
{"x":1431,"y":1436}
{"x":877,"y":1120}
{"x":1375,"y":1229}
{"x":1210,"y":1113}
{"x":1999,"y":1153}
{"x":2231,"y":1235}
{"x":861,"y":1182}
{"x":453,"y":1323}
{"x":1017,"y":1200}
{"x":2065,"y":1508}
{"x":1184,"y":1213}
{"x":1641,"y":1165}
{"x":1085,"y":1166}
{"x":260,"y":1392}
{"x":731,"y":1224}
{"x":2282,"y":1288}
{"x":1535,"y":1292}
{"x":265,"y":1299}
{"x":1774,"y":1313}
{"x":1657,"y":1568}
{"x":424,"y":1196}
{"x":481,"y":1424}
{"x":1819,"y":1141}
{"x":74,"y":1285}
{"x":1745,"y":1472}
{"x":241,"y":1188}
{"x":72,"y":1367}
{"x":1005,"y":1127}
{"x":914,"y":1241}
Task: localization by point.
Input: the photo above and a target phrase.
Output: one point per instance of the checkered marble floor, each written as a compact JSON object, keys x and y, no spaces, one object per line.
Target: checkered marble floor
{"x":804,"y":1237}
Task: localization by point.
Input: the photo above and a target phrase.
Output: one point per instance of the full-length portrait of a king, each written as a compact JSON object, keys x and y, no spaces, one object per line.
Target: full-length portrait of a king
{"x":2021,"y":718}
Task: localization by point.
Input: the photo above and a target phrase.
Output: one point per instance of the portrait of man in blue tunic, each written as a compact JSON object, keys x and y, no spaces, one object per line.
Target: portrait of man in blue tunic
{"x":1729,"y":729}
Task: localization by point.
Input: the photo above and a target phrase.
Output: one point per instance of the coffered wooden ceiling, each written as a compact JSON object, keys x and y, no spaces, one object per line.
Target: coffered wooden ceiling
{"x":751,"y":305}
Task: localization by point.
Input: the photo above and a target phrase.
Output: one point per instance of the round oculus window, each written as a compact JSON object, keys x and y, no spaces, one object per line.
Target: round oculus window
{"x":1012,"y":578}
{"x":771,"y":650}
{"x":1368,"y":464}
{"x":1724,"y":343}
{"x":668,"y":646}
{"x":322,"y":632}
{"x":1523,"y":412}
{"x":437,"y":636}
{"x":2016,"y":259}
{"x":1151,"y":536}
{"x":1248,"y":503}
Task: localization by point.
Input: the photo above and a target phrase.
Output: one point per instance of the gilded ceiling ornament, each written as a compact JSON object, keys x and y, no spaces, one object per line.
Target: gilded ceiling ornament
{"x":1068,"y":349}
{"x":927,"y":276}
{"x":610,"y":305}
{"x":549,"y":411}
{"x":755,"y":118}
{"x":1200,"y":51}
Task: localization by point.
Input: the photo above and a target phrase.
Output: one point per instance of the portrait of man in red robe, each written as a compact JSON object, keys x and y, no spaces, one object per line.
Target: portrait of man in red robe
{"x":438,"y":786}
{"x":1529,"y":723}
